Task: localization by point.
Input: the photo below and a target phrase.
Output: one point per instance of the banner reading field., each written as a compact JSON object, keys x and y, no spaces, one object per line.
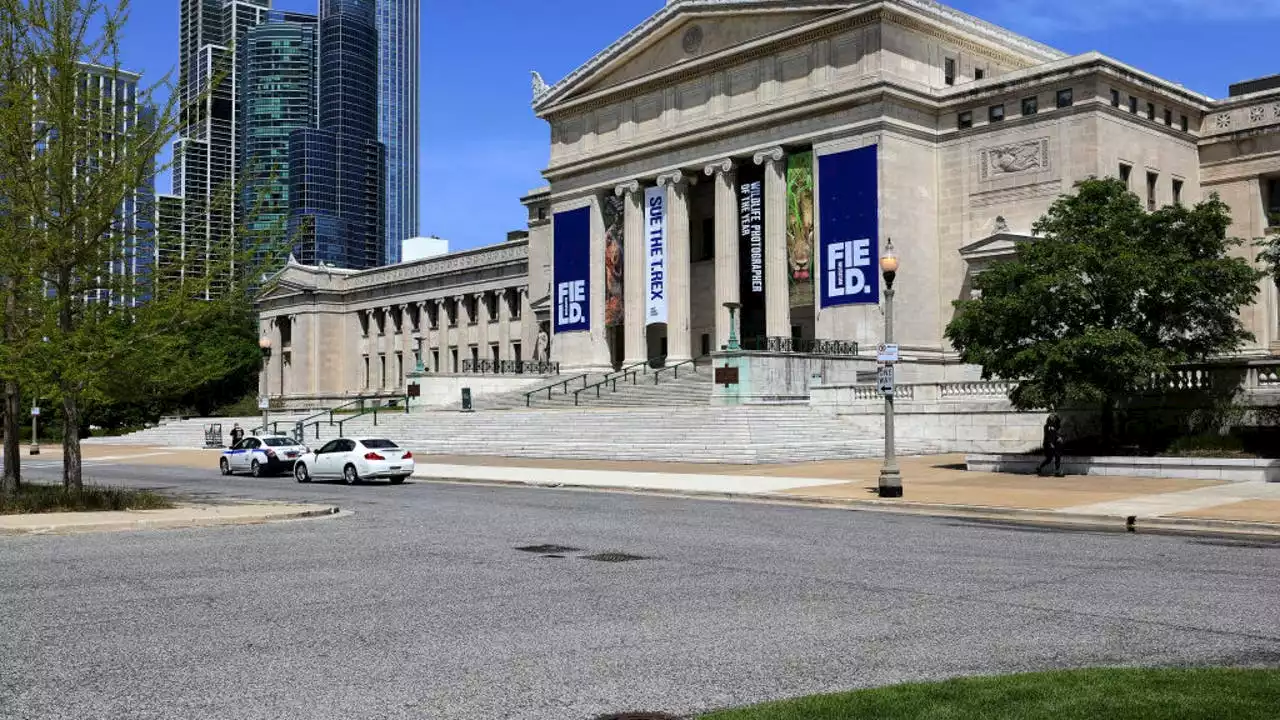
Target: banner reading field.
{"x":800,"y":228}
{"x":655,"y":213}
{"x":751,"y":278}
{"x":850,"y":242}
{"x":571,"y":251}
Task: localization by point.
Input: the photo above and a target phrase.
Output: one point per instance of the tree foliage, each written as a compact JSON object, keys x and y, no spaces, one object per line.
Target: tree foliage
{"x":1106,"y":298}
{"x":74,"y":160}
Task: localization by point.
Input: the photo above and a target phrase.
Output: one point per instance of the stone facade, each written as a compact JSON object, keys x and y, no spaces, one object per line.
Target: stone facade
{"x":978,"y":130}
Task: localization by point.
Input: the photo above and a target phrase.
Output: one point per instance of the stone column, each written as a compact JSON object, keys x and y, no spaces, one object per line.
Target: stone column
{"x":462,"y":336}
{"x":777,"y":288}
{"x":727,"y":289}
{"x":482,"y":321}
{"x":635,"y":347}
{"x":679,"y":342}
{"x":504,"y":324}
{"x":445,"y":334}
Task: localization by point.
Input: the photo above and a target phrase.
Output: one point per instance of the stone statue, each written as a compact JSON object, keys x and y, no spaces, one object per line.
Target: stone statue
{"x":539,"y":85}
{"x":542,"y":347}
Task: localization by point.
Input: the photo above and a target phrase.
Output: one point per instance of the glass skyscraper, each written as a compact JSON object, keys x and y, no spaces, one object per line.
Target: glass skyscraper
{"x":398,"y":117}
{"x":337,"y":171}
{"x":278,"y":94}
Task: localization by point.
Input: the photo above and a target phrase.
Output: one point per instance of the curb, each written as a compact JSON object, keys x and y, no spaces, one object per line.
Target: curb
{"x":145,"y":523}
{"x":1112,"y":523}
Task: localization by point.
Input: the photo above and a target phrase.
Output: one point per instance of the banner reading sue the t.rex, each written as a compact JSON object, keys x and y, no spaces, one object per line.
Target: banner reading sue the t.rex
{"x":655,"y":224}
{"x":750,"y":181}
{"x":800,"y":227}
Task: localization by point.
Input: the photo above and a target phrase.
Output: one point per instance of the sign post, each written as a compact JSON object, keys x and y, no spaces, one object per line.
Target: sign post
{"x":35,"y":429}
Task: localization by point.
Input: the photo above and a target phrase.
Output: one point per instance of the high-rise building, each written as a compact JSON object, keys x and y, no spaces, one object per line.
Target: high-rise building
{"x":211,"y":34}
{"x":337,"y":172}
{"x":279,"y":67}
{"x":398,"y":41}
{"x":111,"y":94}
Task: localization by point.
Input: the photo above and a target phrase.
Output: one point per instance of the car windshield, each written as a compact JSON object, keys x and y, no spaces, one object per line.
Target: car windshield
{"x":277,"y":442}
{"x":379,"y":444}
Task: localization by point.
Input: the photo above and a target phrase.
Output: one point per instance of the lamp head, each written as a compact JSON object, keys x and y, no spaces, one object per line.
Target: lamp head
{"x":265,"y":343}
{"x":889,"y":259}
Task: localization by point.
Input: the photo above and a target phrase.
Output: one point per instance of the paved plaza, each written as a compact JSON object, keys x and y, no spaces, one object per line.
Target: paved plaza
{"x":417,"y":603}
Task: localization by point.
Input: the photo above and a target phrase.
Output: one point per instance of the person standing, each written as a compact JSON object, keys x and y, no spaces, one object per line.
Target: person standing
{"x":1052,"y":445}
{"x":237,"y":434}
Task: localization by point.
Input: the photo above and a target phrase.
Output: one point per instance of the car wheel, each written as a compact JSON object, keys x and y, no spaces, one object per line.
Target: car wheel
{"x":300,"y":473}
{"x":224,"y":466}
{"x":255,"y":469}
{"x":398,"y":479}
{"x":350,"y":475}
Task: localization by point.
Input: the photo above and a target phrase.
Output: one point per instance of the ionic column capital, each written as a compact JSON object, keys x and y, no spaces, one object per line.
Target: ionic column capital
{"x":631,"y":186}
{"x":675,"y":178}
{"x":773,"y":154}
{"x":722,"y":167}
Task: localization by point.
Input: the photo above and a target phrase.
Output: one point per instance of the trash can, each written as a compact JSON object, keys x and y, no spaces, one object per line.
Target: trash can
{"x":466,"y":399}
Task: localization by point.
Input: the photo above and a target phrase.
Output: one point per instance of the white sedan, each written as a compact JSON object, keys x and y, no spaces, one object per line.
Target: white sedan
{"x":354,"y":461}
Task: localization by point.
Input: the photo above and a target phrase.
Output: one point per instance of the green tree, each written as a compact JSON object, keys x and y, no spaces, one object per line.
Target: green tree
{"x":1106,"y":298}
{"x":78,"y":160}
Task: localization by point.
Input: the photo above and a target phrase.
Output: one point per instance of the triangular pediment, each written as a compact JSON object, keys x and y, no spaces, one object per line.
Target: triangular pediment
{"x":682,"y":33}
{"x":994,"y":247}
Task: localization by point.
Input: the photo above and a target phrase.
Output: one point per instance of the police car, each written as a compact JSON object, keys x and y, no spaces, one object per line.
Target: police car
{"x":262,"y":455}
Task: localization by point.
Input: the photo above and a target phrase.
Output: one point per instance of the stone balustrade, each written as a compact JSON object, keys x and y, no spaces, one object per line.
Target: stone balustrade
{"x":975,"y":389}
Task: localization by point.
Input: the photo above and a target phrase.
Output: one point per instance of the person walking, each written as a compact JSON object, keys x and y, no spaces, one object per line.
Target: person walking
{"x":1052,"y":445}
{"x":237,"y":434}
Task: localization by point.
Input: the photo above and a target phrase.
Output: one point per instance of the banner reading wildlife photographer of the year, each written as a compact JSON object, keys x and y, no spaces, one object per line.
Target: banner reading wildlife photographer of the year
{"x":849,"y":246}
{"x":750,"y":181}
{"x":655,"y":231}
{"x":572,"y":257}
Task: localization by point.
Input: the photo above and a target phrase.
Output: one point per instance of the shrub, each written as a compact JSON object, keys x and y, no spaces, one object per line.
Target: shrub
{"x":34,"y":498}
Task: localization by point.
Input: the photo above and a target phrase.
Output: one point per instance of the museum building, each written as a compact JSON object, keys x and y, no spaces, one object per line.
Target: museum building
{"x":746,"y":162}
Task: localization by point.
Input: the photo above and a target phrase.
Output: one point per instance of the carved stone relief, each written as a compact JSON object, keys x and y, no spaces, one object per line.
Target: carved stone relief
{"x":1027,"y":156}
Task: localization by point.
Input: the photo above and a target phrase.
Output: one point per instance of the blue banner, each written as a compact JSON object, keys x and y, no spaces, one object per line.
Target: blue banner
{"x":572,"y":267}
{"x":849,"y":233}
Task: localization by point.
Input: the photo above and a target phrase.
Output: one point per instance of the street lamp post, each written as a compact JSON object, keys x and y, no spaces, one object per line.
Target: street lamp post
{"x":35,"y":425}
{"x":890,"y":485}
{"x":265,"y":403}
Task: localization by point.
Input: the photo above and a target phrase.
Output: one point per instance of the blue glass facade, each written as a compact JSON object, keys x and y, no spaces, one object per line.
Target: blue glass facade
{"x":338,"y":171}
{"x":398,"y":37}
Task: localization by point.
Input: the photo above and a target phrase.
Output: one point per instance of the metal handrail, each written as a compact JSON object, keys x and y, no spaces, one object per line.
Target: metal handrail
{"x":612,"y":378}
{"x":372,"y":410}
{"x":674,"y":368}
{"x":528,"y":397}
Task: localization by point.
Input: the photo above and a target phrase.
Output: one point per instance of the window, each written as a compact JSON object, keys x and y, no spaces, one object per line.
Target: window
{"x":949,"y":71}
{"x":1030,"y":105}
{"x":1115,"y":98}
{"x":995,"y":113}
{"x":979,"y":73}
{"x":1152,"y":179}
{"x":1273,"y":202}
{"x":1066,"y":98}
{"x":366,"y":372}
{"x":453,"y":356}
{"x":965,"y":119}
{"x":379,"y":444}
{"x":515,"y":353}
{"x":1183,"y":122}
{"x":1151,"y":111}
{"x":435,"y":361}
{"x":493,"y":354}
{"x":1133,"y":105}
{"x":542,"y":213}
{"x":1177,"y":191}
{"x":1168,"y":117}
{"x":1125,"y":171}
{"x":475,"y":355}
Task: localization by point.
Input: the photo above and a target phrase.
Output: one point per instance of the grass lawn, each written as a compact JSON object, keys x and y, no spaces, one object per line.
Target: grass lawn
{"x":34,"y":498}
{"x":1208,"y":694}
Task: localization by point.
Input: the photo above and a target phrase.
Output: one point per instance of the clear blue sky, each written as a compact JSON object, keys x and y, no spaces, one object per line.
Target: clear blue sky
{"x":482,"y":148}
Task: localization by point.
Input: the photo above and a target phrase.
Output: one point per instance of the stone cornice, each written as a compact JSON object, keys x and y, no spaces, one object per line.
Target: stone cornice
{"x":502,"y":254}
{"x":993,"y":36}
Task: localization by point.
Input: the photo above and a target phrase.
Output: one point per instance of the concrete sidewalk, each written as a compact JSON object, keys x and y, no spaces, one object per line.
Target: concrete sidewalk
{"x":180,"y":517}
{"x":933,"y":485}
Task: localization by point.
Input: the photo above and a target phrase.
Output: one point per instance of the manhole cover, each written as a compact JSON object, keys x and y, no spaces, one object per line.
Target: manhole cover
{"x":547,"y":549}
{"x":613,"y":557}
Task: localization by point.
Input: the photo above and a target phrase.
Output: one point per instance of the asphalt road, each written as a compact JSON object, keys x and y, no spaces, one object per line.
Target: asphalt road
{"x":419,"y":605}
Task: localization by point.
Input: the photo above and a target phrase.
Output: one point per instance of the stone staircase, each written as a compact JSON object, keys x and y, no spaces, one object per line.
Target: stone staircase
{"x":190,"y":432}
{"x":736,"y":435}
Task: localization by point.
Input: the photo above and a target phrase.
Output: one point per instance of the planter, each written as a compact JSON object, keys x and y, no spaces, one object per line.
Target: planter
{"x":1156,"y":467}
